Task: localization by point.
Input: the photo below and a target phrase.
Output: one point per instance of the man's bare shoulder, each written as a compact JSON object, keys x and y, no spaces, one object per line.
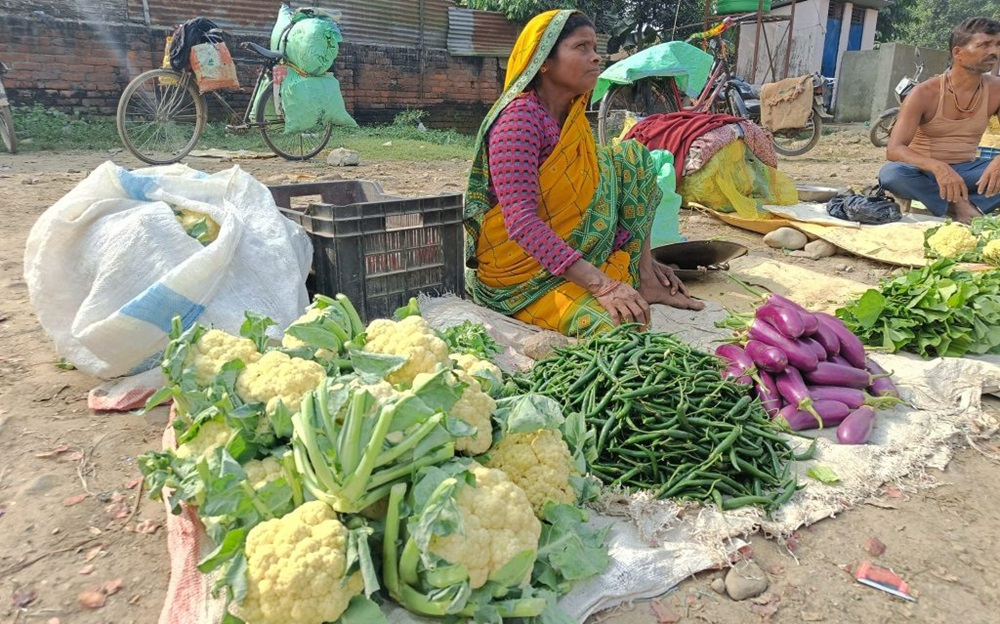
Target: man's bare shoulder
{"x":925,"y":96}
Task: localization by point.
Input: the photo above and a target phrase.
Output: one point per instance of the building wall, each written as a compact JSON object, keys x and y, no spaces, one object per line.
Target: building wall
{"x":79,"y":56}
{"x":808,"y":31}
{"x":868,"y":78}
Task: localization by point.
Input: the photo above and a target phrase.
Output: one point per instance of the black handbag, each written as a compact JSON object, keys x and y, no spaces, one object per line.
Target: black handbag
{"x":870,"y":208}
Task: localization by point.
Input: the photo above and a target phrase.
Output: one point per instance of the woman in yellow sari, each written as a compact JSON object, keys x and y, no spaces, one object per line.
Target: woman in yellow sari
{"x":558,"y":227}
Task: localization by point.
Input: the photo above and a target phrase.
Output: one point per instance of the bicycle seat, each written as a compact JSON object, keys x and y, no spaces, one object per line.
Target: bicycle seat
{"x":262,"y":51}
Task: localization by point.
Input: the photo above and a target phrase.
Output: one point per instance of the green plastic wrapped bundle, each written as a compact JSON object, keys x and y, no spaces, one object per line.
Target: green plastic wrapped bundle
{"x":309,"y":38}
{"x":313,"y":101}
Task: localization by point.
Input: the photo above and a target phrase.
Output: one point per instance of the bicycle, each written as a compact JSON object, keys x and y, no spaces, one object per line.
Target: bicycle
{"x":722,"y":93}
{"x":162,"y":115}
{"x":6,"y":119}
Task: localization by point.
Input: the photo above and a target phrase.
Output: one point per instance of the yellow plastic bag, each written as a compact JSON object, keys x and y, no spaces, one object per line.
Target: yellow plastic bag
{"x":735,"y":180}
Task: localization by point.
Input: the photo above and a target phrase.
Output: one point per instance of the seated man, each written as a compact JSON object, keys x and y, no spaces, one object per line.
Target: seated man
{"x":933,"y":144}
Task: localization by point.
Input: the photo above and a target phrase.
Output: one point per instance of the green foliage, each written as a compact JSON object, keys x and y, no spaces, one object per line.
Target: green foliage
{"x":928,"y":23}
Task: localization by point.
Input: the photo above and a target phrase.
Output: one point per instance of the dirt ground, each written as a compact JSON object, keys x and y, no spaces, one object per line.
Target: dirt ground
{"x":73,"y":517}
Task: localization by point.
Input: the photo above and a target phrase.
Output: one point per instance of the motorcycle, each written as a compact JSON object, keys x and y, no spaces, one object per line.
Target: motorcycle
{"x":882,"y":126}
{"x":744,"y":101}
{"x":6,"y":120}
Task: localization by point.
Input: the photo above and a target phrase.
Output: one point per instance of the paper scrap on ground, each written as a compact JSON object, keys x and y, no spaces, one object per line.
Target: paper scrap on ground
{"x":818,"y":291}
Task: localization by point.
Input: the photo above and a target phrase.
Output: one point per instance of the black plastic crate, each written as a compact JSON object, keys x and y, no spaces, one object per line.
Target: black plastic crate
{"x":378,"y":249}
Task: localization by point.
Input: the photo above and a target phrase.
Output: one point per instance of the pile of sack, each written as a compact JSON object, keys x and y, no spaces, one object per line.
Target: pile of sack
{"x":305,"y":92}
{"x":194,"y":45}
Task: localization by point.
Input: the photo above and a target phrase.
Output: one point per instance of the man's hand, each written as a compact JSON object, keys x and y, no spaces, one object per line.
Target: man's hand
{"x":989,"y":183}
{"x":951,"y":185}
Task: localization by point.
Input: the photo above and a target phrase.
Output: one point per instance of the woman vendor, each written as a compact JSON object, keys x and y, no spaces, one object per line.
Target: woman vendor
{"x":558,"y":228}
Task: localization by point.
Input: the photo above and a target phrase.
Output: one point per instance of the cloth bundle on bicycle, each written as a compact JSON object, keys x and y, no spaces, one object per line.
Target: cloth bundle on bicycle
{"x":185,"y":37}
{"x":309,"y":38}
{"x":786,"y":103}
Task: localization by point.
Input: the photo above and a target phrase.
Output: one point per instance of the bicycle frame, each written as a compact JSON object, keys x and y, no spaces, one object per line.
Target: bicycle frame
{"x":720,"y":73}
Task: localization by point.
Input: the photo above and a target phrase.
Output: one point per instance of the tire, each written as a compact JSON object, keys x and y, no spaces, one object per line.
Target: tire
{"x":882,"y":127}
{"x":161,"y":116}
{"x":641,"y":99}
{"x":798,"y":141}
{"x":7,"y":130}
{"x":293,"y":146}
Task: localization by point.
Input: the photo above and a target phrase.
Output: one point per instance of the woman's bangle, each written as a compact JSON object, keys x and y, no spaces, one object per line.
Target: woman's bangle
{"x":612,"y":284}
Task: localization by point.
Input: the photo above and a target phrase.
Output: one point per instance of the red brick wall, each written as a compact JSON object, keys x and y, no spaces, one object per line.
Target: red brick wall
{"x":82,"y":67}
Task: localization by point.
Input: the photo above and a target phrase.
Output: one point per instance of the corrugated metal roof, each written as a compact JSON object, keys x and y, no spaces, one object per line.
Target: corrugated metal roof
{"x":479,"y":33}
{"x":385,"y":22}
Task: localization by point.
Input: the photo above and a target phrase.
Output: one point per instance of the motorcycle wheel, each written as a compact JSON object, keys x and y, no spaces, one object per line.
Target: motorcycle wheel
{"x":882,"y":127}
{"x":798,"y":141}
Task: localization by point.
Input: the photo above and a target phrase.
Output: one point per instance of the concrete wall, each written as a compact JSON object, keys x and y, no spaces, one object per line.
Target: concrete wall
{"x":808,"y":33}
{"x":80,"y":63}
{"x":867,"y":78}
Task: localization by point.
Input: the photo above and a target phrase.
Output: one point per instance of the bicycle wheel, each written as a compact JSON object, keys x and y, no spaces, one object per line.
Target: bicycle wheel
{"x":638,"y":100}
{"x":161,"y":115}
{"x":882,"y":127}
{"x":7,"y":130}
{"x":798,"y":141}
{"x":294,"y":145}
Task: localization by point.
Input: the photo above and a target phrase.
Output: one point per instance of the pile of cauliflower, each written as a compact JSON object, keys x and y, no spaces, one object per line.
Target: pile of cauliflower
{"x":303,"y":567}
{"x":977,"y":242}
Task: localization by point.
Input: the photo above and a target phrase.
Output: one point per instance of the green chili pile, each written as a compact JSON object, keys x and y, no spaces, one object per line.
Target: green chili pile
{"x":667,"y":421}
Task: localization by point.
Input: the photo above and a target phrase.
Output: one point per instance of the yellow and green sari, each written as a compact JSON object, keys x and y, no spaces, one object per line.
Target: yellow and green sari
{"x":586,"y":192}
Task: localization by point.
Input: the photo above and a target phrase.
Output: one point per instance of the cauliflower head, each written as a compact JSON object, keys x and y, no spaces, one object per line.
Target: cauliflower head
{"x":497,"y":525}
{"x":482,"y":370}
{"x":214,"y":349}
{"x":411,"y":338}
{"x":952,"y":239}
{"x":474,"y":407}
{"x":539,"y":463}
{"x":991,"y":252}
{"x":260,"y":472}
{"x":296,"y":569}
{"x":291,"y":342}
{"x":211,"y":435}
{"x":278,"y":377}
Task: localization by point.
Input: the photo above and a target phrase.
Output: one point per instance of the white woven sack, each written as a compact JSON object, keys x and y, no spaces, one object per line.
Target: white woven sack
{"x":109,"y":265}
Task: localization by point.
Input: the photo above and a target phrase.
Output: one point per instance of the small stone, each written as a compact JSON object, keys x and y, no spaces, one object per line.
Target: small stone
{"x":816,"y":250}
{"x":342,"y":157}
{"x":785,"y":238}
{"x":719,"y":586}
{"x":812,"y":616}
{"x":746,"y":580}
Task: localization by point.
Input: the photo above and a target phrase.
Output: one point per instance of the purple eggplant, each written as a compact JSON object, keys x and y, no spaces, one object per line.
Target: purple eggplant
{"x":793,"y":389}
{"x":831,"y":374}
{"x":880,"y":386}
{"x":828,"y":339}
{"x":776,"y":299}
{"x":784,"y":319}
{"x":737,"y":373}
{"x":734,"y":355}
{"x":799,"y":355}
{"x":837,"y":359}
{"x":852,"y":397}
{"x":816,"y":347}
{"x":831,"y":414}
{"x":809,"y":323}
{"x":857,"y":427}
{"x":766,"y":357}
{"x":851,"y":348}
{"x":767,"y":392}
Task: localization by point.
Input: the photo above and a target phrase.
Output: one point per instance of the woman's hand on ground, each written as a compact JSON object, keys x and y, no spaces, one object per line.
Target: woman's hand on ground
{"x":624,"y":304}
{"x":666,"y":276}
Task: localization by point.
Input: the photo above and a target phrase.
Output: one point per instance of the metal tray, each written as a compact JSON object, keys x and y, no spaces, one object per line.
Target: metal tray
{"x":694,"y":259}
{"x":817,"y":193}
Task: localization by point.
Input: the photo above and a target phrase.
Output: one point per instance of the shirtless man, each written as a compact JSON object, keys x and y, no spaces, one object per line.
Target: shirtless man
{"x":933,"y":144}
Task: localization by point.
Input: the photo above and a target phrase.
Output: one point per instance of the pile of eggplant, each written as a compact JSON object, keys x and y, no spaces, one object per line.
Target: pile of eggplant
{"x":809,"y":370}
